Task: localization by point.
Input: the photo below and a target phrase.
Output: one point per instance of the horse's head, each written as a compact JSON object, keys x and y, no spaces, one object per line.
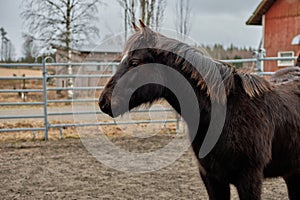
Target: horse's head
{"x":125,"y":90}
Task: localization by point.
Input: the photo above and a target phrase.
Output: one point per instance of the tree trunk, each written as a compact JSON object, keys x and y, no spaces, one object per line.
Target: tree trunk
{"x":125,"y":18}
{"x":150,"y":12}
{"x":132,"y":11}
{"x":143,"y":9}
{"x":68,"y":49}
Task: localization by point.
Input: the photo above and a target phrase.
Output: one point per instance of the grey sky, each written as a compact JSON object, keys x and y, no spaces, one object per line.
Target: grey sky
{"x":213,"y":21}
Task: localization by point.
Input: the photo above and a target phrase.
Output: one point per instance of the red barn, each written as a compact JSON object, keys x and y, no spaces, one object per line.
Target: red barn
{"x":281,"y":30}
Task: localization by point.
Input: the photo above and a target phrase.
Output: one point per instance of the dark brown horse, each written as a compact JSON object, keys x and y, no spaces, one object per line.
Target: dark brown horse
{"x":261,"y":133}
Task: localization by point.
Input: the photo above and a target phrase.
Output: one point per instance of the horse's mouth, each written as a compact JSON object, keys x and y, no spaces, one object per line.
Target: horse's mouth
{"x":106,"y":110}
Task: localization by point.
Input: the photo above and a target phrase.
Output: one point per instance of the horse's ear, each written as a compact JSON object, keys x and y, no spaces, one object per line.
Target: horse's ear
{"x":147,"y":33}
{"x":142,"y":25}
{"x":135,"y":27}
{"x":145,"y":29}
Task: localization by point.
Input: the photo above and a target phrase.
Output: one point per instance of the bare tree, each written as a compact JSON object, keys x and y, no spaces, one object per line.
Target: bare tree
{"x":150,"y":11}
{"x":129,"y":7}
{"x":7,"y":48}
{"x":183,"y":17}
{"x":30,"y":49}
{"x":4,"y":41}
{"x":10,"y":51}
{"x":64,"y":22}
{"x":159,"y":14}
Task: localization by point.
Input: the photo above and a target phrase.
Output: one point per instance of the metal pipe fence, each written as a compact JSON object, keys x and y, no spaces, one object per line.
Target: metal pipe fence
{"x":46,"y":101}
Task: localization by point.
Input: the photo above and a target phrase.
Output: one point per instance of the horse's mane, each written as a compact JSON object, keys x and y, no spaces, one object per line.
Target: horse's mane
{"x":191,"y":61}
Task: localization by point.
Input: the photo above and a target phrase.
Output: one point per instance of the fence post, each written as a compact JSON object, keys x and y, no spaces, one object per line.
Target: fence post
{"x":114,"y":69}
{"x":45,"y":99}
{"x":258,"y":62}
{"x":261,"y":53}
{"x":177,"y":124}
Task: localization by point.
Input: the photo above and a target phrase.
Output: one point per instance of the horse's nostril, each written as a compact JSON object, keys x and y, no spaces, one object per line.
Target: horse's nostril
{"x":104,"y":108}
{"x":102,"y":103}
{"x":101,"y":106}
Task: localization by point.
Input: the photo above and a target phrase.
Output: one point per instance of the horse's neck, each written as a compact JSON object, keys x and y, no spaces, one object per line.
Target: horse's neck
{"x":187,"y":92}
{"x":196,"y":116}
{"x":191,"y":107}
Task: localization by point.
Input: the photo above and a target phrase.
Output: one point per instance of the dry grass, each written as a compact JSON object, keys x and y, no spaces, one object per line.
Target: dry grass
{"x":111,"y":131}
{"x":54,"y":134}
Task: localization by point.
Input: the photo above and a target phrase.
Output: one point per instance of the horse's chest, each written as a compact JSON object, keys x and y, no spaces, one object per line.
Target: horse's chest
{"x":226,"y":166}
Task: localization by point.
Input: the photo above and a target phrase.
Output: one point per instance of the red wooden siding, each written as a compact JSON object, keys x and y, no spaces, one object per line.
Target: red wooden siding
{"x":282,"y":24}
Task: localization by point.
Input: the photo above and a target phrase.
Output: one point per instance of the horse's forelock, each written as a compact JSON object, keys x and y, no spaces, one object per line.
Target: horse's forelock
{"x":145,"y":38}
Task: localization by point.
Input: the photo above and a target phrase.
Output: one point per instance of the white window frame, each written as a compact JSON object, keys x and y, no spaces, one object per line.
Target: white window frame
{"x":286,"y":63}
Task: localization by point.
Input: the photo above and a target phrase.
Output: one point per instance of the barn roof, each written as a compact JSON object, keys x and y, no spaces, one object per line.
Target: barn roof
{"x":263,"y":7}
{"x":103,"y":48}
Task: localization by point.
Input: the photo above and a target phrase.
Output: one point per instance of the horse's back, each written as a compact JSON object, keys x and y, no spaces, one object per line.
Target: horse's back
{"x":286,"y":75}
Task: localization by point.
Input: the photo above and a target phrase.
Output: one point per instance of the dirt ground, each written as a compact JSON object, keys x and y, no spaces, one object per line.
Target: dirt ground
{"x":64,"y":169}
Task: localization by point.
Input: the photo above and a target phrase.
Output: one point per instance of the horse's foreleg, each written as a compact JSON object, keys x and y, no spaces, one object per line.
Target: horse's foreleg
{"x":293,"y":184}
{"x":249,"y":186}
{"x":216,"y":189}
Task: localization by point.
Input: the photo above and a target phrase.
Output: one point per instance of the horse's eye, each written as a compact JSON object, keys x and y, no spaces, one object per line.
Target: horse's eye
{"x":134,"y":64}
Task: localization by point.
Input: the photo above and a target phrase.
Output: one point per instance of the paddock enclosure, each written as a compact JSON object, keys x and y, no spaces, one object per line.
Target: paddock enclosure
{"x":31,"y":168}
{"x":63,"y":169}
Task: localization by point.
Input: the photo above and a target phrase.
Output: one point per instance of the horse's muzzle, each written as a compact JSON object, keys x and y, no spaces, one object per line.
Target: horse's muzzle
{"x":105,"y":105}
